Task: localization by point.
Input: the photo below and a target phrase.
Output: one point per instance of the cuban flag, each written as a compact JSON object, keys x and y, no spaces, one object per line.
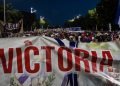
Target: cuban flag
{"x":64,"y":43}
{"x":26,"y":79}
{"x":23,"y":79}
{"x":118,"y":14}
{"x":69,"y":79}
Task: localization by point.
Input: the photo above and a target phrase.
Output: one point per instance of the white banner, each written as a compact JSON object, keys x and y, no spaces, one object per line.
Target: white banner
{"x":44,"y":61}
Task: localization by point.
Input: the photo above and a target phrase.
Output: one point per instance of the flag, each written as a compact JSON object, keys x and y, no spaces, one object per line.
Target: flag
{"x":72,"y":44}
{"x":27,"y":79}
{"x":23,"y":79}
{"x":69,"y":79}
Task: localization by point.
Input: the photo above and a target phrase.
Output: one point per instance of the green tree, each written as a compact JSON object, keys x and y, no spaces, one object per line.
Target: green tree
{"x":106,"y":11}
{"x":12,"y":15}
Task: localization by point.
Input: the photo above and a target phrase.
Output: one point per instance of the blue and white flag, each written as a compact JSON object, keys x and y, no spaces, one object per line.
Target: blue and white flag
{"x":72,"y":44}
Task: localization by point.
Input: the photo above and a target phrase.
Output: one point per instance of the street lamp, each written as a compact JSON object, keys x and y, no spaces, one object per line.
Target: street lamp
{"x":4,"y":13}
{"x":78,"y":16}
{"x":72,"y":20}
{"x":32,"y":10}
{"x":42,"y":21}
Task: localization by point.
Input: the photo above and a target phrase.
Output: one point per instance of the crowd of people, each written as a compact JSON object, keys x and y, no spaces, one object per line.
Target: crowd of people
{"x":80,"y":36}
{"x":85,"y":36}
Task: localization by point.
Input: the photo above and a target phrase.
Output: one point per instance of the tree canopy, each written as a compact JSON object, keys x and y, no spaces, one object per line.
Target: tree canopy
{"x":12,"y":15}
{"x":98,"y":18}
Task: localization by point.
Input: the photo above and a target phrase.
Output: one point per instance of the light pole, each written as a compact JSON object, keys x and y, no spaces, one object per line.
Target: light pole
{"x":42,"y":21}
{"x":4,"y":13}
{"x":32,"y":10}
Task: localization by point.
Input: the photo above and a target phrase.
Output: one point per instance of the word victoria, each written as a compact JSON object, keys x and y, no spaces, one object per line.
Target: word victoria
{"x":78,"y":59}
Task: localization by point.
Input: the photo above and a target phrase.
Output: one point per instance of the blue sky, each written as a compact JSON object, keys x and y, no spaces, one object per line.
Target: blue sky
{"x":55,"y":11}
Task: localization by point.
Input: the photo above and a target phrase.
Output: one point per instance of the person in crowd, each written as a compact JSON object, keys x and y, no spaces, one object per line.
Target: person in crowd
{"x":85,"y":36}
